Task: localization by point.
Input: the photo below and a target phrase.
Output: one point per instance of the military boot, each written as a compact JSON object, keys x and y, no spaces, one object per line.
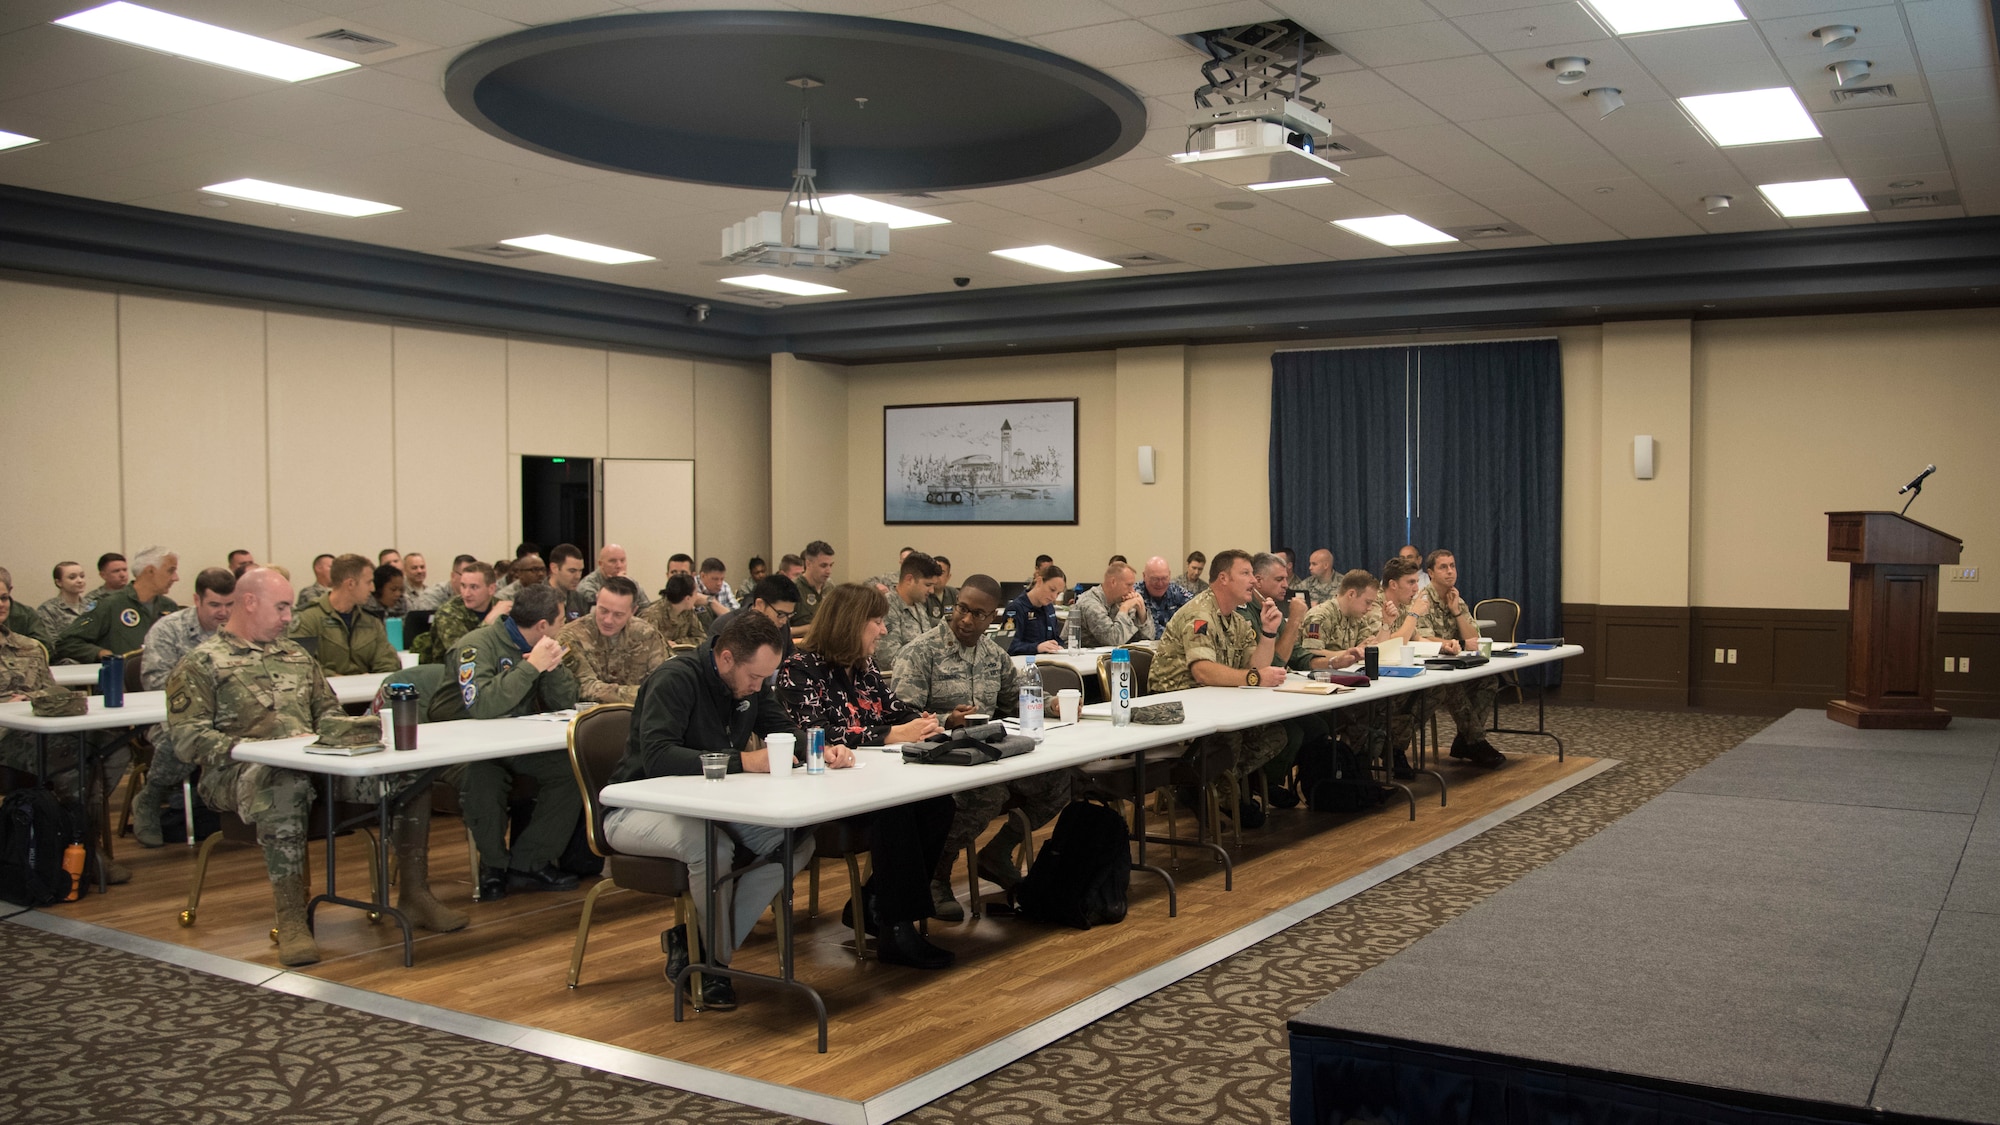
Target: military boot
{"x":146,"y":817}
{"x":295,"y":940}
{"x":413,"y":897}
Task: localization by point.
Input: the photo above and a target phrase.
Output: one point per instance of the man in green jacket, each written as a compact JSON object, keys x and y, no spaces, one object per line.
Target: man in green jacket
{"x":118,"y":624}
{"x":514,"y":667}
{"x":346,"y":639}
{"x":472,"y":607}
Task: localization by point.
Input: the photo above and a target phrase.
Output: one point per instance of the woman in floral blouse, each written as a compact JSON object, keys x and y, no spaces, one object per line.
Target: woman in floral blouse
{"x":831,"y":683}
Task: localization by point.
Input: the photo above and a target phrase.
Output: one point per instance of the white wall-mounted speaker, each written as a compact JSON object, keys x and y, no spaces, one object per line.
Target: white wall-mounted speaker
{"x":1642,"y":457}
{"x":1146,"y":473}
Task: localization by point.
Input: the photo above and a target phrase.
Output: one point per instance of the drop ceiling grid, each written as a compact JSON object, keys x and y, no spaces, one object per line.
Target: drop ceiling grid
{"x":1475,"y":127}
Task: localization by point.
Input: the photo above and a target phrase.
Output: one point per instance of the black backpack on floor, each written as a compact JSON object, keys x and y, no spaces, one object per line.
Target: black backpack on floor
{"x":35,"y":827}
{"x":1335,"y":779}
{"x":1081,"y":875}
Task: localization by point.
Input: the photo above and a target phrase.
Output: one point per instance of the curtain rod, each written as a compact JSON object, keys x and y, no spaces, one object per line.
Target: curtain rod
{"x":1433,"y":344}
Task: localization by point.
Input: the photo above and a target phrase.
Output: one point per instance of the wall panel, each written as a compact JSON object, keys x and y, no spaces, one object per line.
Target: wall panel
{"x":652,"y":407}
{"x":451,"y":445}
{"x":59,"y":395}
{"x":193,"y":428}
{"x":732,"y":472}
{"x":333,"y":439}
{"x":556,"y":404}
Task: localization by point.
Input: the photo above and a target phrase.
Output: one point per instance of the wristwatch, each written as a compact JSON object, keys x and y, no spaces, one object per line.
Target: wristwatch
{"x":1266,"y":636}
{"x":1252,"y":679}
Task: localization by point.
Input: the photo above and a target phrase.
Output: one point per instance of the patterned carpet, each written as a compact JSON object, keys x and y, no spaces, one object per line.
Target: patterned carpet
{"x":97,"y":1035}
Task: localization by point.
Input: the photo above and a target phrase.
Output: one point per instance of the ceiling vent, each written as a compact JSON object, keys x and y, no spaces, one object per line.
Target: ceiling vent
{"x":350,"y":42}
{"x":1485,"y":230}
{"x":1904,"y":199}
{"x":1143,"y":259}
{"x":1864,"y":95}
{"x":499,"y":250}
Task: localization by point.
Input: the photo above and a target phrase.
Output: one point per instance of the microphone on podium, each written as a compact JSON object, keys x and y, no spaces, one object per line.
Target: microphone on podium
{"x":1919,"y":482}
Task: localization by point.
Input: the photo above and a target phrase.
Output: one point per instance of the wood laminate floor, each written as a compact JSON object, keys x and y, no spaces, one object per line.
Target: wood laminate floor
{"x":888,"y":1025}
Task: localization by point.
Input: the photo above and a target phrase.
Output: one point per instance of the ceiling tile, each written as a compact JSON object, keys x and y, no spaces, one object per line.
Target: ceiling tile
{"x":1409,"y":43}
{"x":436,"y":21}
{"x":1531,"y":28}
{"x":1038,"y":17}
{"x":1118,"y":44}
{"x":533,"y":12}
{"x":1951,"y":34}
{"x":1451,"y":76}
{"x":1480,"y":104}
{"x":1709,"y":60}
{"x":1327,"y":18}
{"x":1880,"y":27}
{"x":1976,"y":82}
{"x":1208,"y":17}
{"x":1376,"y":117}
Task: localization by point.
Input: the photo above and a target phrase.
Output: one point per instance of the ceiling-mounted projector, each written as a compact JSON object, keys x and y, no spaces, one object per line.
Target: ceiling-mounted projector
{"x":1268,"y":141}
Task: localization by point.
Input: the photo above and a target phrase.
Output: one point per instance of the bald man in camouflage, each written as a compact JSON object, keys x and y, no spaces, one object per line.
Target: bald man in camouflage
{"x":249,"y":682}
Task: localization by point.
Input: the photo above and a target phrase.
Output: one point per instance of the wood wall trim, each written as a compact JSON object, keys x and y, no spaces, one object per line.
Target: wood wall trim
{"x":1664,"y":657}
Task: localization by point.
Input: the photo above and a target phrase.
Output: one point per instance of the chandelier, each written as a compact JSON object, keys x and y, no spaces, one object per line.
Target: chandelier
{"x":800,"y":235}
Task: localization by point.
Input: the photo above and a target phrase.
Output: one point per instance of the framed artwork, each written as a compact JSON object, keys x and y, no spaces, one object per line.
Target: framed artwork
{"x":980,"y":462}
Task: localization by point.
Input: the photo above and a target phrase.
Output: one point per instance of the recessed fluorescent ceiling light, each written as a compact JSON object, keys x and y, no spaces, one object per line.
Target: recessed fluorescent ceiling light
{"x":1280,"y":185}
{"x":571,"y":248}
{"x":1753,"y":117}
{"x":14,"y":140}
{"x":1056,"y":258}
{"x":864,"y":210}
{"x":1395,"y":230}
{"x":1631,"y":17}
{"x":1814,"y":197}
{"x":777,"y":284}
{"x":303,"y":199}
{"x":192,"y":39}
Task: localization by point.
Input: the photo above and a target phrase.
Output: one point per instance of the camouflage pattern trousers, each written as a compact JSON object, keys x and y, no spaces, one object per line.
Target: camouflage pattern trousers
{"x":1041,"y":797}
{"x":1470,"y":704}
{"x":278,"y":801}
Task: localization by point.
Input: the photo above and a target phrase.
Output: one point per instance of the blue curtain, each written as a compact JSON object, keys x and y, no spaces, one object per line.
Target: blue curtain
{"x":1448,"y":445}
{"x":1340,"y":449}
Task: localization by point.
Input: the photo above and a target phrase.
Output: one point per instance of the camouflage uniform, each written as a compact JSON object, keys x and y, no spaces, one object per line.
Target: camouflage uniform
{"x":431,"y":597}
{"x":1201,"y":631}
{"x":58,"y":615}
{"x":594,"y":581}
{"x":353,"y":647}
{"x":24,"y":670}
{"x":495,"y":681}
{"x":937,"y":673}
{"x":1100,"y":628}
{"x":176,"y":635}
{"x":906,"y":623}
{"x":610,"y":669}
{"x":939,"y":604}
{"x":448,"y":624}
{"x":1318,"y":591}
{"x":118,"y":624}
{"x":1329,"y":630}
{"x":311,"y":594}
{"x":1191,"y":586}
{"x":24,"y":622}
{"x":676,"y":628}
{"x":229,"y":690}
{"x":1470,"y":704}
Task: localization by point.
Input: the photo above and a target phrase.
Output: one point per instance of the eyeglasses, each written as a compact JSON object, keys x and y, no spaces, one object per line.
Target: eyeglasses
{"x":782,"y":616}
{"x":975,"y":614}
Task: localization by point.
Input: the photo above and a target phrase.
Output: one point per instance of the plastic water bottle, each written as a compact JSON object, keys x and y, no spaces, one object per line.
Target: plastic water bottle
{"x":1121,"y":688}
{"x":1031,"y":701}
{"x":1073,"y":631}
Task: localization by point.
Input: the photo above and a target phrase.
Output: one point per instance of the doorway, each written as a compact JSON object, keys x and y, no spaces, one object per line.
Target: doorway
{"x":558,"y":503}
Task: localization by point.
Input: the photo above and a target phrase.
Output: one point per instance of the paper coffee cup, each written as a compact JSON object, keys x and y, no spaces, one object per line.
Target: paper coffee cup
{"x":780,"y":746}
{"x":1069,"y":705}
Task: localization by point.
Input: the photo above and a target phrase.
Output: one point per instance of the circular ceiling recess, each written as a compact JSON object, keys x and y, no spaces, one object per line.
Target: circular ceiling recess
{"x":705,"y":97}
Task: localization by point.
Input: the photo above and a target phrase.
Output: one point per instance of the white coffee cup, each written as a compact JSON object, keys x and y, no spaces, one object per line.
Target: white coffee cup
{"x":1069,"y":705}
{"x":780,"y":746}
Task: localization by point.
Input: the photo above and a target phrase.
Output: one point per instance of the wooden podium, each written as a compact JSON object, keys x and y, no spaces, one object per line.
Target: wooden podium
{"x":1892,"y":600}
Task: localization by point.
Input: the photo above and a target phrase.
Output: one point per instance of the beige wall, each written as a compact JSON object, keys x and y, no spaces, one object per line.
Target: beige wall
{"x":207,"y":426}
{"x":1643,"y":524}
{"x":809,"y":459}
{"x":1800,"y":416}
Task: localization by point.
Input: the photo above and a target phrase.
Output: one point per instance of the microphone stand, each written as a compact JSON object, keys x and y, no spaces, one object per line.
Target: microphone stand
{"x":1916,"y":490}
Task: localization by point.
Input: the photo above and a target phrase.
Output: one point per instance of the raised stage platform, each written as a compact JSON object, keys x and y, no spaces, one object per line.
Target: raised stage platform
{"x":1807,"y":929}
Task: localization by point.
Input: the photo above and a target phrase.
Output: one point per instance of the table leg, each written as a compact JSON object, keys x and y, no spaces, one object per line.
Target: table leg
{"x":710,"y":925}
{"x":385,"y":818}
{"x":1541,"y":713}
{"x":1139,"y":795}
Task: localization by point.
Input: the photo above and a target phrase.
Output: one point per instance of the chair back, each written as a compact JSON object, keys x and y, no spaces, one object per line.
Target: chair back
{"x":1141,"y":660}
{"x":133,"y":679}
{"x":596,"y":744}
{"x":1059,"y":677}
{"x":1504,"y":613}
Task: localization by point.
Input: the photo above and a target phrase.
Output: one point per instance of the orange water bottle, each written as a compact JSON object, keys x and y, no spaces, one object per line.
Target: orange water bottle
{"x":73,"y":863}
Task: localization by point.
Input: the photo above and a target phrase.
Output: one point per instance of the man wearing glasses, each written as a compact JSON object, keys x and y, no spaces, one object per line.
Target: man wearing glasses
{"x":956,"y":670}
{"x":776,"y":597}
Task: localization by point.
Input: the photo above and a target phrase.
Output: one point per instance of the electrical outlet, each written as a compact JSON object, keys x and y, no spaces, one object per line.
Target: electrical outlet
{"x":1965,"y":574}
{"x":1950,"y":665}
{"x":1732,"y":656}
{"x":1965,"y":664}
{"x":1722,"y":656}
